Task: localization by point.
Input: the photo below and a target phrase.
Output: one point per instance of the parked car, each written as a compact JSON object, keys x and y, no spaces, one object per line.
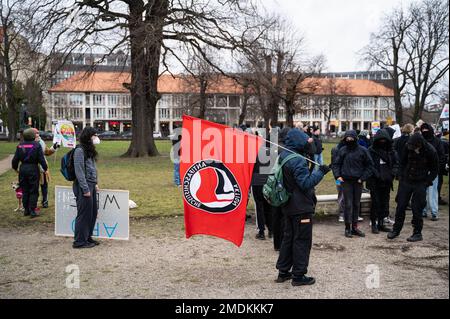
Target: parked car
{"x":157,"y":135}
{"x":107,"y":134}
{"x":127,"y":134}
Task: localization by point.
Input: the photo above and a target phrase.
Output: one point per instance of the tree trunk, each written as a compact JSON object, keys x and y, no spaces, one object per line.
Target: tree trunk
{"x":243,"y":113}
{"x":203,"y":87}
{"x":290,"y":112}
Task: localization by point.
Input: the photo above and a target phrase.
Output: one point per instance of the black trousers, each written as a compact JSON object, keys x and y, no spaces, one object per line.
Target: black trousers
{"x":418,"y":202}
{"x":380,"y":196}
{"x":86,"y":214}
{"x":44,"y":189}
{"x":263,"y":210}
{"x":352,"y":191}
{"x":29,"y":182}
{"x":277,"y":227}
{"x":296,"y":245}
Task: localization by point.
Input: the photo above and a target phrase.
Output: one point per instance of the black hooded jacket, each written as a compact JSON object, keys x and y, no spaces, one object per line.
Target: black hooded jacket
{"x":421,"y":166}
{"x":297,"y":178}
{"x":353,"y":163}
{"x":29,"y":153}
{"x":385,"y":161}
{"x":436,"y":143}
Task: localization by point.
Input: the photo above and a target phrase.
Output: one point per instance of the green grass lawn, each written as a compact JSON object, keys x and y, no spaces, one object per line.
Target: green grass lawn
{"x":150,"y":182}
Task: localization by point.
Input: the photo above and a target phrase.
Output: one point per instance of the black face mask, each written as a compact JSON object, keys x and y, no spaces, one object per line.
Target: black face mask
{"x":427,"y":135}
{"x":412,"y":147}
{"x":351,"y":144}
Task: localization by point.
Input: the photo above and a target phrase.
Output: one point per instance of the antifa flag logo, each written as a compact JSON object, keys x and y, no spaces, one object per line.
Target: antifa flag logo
{"x":210,"y":186}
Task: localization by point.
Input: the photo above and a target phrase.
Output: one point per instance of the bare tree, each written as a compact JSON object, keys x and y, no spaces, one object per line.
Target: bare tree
{"x":332,"y":96}
{"x":201,"y":75}
{"x":153,"y":31}
{"x":427,"y":49}
{"x":385,"y":52}
{"x":300,"y":82}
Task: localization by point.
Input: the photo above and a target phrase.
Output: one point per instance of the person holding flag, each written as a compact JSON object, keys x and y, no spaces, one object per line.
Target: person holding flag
{"x":300,"y":182}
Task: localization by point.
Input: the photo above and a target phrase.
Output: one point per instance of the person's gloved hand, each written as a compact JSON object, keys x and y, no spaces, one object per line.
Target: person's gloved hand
{"x":325,"y":169}
{"x":56,"y":146}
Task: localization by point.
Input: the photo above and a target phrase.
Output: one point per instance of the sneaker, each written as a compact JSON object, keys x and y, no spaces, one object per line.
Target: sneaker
{"x":270,"y":234}
{"x":283,"y":277}
{"x":88,"y":245}
{"x":26,"y":212}
{"x":365,"y":190}
{"x":348,"y":233}
{"x":434,"y":218}
{"x":360,"y":219}
{"x":35,"y":213}
{"x":303,"y":281}
{"x":375,"y":229}
{"x":341,"y":219}
{"x":45,"y":204}
{"x":425,"y":215}
{"x":392,"y":235}
{"x":96,"y":243}
{"x":260,"y":236}
{"x":415,"y":237}
{"x":358,"y":233}
{"x":388,"y":220}
{"x":408,"y":207}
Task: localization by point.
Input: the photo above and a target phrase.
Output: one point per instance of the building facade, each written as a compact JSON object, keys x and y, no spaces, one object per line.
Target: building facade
{"x":101,"y":100}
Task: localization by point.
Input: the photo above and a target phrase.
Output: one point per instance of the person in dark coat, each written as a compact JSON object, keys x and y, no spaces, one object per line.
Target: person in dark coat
{"x":334,"y":152}
{"x":263,"y":209}
{"x":29,"y":155}
{"x":277,"y":213}
{"x":85,"y":188}
{"x":400,"y":143}
{"x":443,"y":169}
{"x":318,"y":156}
{"x":418,"y":168}
{"x":298,"y":211}
{"x":385,"y":169}
{"x":363,"y":139}
{"x":432,"y":191}
{"x":353,"y":166}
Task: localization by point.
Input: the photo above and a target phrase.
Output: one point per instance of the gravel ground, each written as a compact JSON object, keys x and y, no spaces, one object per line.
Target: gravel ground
{"x":158,"y":262}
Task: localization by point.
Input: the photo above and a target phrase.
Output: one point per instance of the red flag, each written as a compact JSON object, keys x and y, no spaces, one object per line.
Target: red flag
{"x":216,"y":169}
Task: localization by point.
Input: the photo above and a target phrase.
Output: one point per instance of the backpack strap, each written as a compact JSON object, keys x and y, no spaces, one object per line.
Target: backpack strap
{"x":287,"y":159}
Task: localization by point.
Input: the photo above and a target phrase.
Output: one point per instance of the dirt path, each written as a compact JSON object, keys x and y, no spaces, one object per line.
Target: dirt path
{"x":5,"y":164}
{"x":158,"y":262}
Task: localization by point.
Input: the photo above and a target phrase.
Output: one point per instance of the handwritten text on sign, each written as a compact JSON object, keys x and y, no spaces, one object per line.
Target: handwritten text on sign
{"x":113,"y":213}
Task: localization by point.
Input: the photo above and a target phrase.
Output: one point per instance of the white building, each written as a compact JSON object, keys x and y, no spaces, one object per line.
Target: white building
{"x":102,"y":101}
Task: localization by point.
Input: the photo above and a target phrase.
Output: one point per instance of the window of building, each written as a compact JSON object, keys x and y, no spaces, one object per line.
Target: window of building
{"x":112,"y":113}
{"x":113,"y":100}
{"x":59,"y":99}
{"x":126,"y":100}
{"x":76,"y":99}
{"x":221,"y":101}
{"x":234,"y":101}
{"x":126,"y":113}
{"x":368,"y":114}
{"x":87,"y":99}
{"x":99,"y":113}
{"x":99,"y":99}
{"x":78,"y":59}
{"x":164,"y":113}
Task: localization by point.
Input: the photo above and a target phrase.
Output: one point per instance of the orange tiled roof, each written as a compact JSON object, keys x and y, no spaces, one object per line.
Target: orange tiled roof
{"x":114,"y":82}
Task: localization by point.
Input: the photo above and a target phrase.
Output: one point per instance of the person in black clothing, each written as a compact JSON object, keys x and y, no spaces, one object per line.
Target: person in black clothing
{"x":334,"y":152}
{"x":29,"y":155}
{"x":318,"y":156}
{"x":298,"y":211}
{"x":263,"y":209}
{"x":443,"y":169}
{"x":432,"y":191}
{"x":277,"y":213}
{"x":400,"y":143}
{"x":353,"y":166}
{"x":418,"y":168}
{"x":385,"y":169}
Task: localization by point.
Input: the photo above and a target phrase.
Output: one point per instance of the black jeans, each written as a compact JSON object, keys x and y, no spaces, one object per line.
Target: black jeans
{"x":263,"y":210}
{"x":380,"y":196}
{"x":418,"y":202}
{"x":352,"y":191}
{"x":29,"y":182}
{"x":296,"y":245}
{"x":277,"y":226}
{"x":86,"y":214}
{"x":44,"y":189}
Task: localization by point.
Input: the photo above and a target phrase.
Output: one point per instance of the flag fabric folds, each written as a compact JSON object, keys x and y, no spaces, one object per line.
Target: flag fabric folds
{"x":216,"y":167}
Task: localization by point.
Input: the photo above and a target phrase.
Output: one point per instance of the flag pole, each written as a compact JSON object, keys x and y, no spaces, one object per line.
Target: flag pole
{"x":286,"y":149}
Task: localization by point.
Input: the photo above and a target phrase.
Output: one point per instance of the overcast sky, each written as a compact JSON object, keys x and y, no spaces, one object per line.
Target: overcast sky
{"x":336,"y":28}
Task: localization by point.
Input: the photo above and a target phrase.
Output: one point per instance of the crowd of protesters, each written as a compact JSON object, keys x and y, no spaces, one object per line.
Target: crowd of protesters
{"x":417,"y":159}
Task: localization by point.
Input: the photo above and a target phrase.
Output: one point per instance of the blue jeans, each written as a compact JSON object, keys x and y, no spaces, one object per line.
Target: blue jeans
{"x":432,"y":199}
{"x":176,"y":174}
{"x":318,"y":158}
